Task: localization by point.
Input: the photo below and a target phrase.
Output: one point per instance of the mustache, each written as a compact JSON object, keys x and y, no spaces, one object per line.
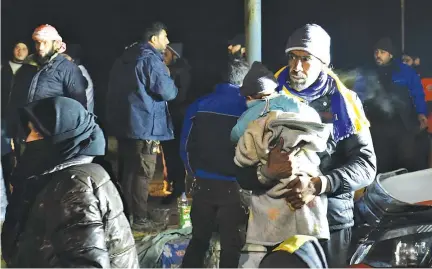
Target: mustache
{"x":298,"y":75}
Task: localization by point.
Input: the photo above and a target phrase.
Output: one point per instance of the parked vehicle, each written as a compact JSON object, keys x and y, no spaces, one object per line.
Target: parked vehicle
{"x":394,"y":222}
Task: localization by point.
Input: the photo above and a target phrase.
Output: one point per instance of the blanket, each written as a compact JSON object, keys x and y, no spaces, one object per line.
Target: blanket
{"x":271,"y":219}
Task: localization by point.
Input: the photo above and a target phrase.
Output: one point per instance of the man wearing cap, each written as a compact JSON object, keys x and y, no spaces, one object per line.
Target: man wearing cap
{"x":397,"y":111}
{"x":180,"y":73}
{"x":349,"y":162}
{"x":237,"y":47}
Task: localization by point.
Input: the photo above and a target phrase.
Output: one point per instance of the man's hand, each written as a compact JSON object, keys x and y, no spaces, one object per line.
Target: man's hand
{"x":302,"y":190}
{"x":280,"y":163}
{"x":423,"y":121}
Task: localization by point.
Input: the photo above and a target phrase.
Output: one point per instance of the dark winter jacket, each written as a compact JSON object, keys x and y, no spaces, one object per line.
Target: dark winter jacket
{"x":21,"y":80}
{"x":76,"y":220}
{"x":397,"y":97}
{"x":59,"y":77}
{"x":205,"y":145}
{"x":138,"y":91}
{"x":180,"y":73}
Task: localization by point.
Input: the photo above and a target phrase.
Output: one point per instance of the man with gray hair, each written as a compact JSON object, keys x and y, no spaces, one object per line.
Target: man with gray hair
{"x":348,"y":164}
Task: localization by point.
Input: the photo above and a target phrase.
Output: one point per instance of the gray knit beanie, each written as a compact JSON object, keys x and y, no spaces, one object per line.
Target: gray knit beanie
{"x":313,"y":39}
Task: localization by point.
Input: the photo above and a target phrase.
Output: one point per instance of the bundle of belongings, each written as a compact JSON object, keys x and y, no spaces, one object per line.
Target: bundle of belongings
{"x":163,"y":250}
{"x":270,"y":117}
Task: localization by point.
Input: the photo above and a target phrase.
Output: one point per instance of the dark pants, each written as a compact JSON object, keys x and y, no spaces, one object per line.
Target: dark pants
{"x":8,"y":164}
{"x":175,"y":167}
{"x":337,"y":248}
{"x":137,"y":163}
{"x":396,"y":148}
{"x":216,"y":202}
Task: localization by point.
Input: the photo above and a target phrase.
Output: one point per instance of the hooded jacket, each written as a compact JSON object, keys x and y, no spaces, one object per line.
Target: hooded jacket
{"x":64,"y":210}
{"x":138,"y":91}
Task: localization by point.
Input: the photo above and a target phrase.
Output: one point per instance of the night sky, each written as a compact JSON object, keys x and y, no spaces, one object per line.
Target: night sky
{"x":103,"y":28}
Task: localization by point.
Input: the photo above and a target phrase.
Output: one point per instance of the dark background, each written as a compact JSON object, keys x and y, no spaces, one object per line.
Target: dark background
{"x":103,"y":28}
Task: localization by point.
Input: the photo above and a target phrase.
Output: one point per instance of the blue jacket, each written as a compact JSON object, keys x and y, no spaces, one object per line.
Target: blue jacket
{"x":257,"y":108}
{"x":403,"y":76}
{"x":407,"y":76}
{"x":205,"y":145}
{"x":138,"y":91}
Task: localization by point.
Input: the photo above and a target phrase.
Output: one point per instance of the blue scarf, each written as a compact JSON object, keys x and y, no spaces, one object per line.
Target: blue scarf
{"x":348,"y":116}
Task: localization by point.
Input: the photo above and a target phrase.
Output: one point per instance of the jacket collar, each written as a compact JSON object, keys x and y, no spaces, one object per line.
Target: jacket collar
{"x":227,"y":88}
{"x":145,"y":47}
{"x":72,"y":162}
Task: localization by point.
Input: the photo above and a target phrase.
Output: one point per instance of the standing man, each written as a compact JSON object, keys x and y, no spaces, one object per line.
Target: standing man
{"x":399,"y":128}
{"x":56,"y":76}
{"x":180,"y":73}
{"x":137,"y":114}
{"x":208,"y":155}
{"x":8,"y":71}
{"x":15,"y":74}
{"x":349,"y":162}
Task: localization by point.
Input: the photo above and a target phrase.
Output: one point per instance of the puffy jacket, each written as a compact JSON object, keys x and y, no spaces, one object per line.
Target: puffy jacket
{"x":75,"y":220}
{"x":59,"y":77}
{"x":138,"y":91}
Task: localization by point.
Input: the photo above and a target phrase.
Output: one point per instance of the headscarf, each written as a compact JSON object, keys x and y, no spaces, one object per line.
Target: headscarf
{"x":69,"y":131}
{"x":48,"y":32}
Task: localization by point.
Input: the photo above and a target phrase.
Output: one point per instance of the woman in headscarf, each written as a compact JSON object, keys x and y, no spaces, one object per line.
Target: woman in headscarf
{"x":64,"y":210}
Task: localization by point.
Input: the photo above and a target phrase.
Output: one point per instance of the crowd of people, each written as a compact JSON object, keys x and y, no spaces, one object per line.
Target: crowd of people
{"x":275,"y":157}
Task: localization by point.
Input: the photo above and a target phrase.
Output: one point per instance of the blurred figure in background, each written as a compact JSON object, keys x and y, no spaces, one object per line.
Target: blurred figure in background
{"x":180,"y":73}
{"x":396,"y":109}
{"x":237,"y":47}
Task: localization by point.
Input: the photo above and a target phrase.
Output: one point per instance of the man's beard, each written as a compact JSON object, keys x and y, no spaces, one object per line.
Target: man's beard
{"x":45,"y":59}
{"x":299,"y":83}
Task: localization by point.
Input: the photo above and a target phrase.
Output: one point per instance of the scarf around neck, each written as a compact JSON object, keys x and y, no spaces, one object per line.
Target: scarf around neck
{"x":348,"y":114}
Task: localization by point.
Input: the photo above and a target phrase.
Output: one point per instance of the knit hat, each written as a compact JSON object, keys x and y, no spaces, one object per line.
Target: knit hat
{"x":385,"y":44}
{"x":258,"y":80}
{"x":239,"y":39}
{"x":313,"y":39}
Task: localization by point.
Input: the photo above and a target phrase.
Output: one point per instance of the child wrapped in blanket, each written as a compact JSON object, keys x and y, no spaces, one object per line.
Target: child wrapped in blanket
{"x":270,"y":117}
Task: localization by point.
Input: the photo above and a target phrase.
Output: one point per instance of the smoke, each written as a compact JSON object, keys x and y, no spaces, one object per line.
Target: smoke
{"x":367,"y":86}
